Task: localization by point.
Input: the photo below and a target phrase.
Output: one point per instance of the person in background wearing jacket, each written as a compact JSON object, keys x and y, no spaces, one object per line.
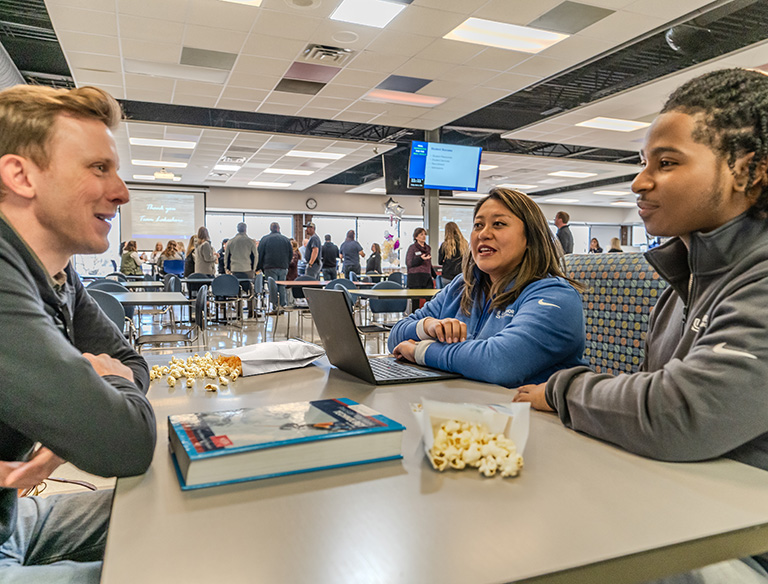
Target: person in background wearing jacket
{"x":452,"y":252}
{"x":418,"y":261}
{"x":205,"y":256}
{"x":189,"y":259}
{"x":700,"y":392}
{"x":594,"y":246}
{"x":512,"y":317}
{"x":130,"y":261}
{"x":615,"y":245}
{"x":373,"y":265}
{"x":87,"y":404}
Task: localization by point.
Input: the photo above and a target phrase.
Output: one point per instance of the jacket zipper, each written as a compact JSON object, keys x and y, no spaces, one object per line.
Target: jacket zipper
{"x":688,"y":300}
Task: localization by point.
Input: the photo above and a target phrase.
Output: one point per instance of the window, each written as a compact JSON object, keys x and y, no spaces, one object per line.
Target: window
{"x":222,"y":226}
{"x":101,"y":264}
{"x":384,"y":233}
{"x":258,"y":225}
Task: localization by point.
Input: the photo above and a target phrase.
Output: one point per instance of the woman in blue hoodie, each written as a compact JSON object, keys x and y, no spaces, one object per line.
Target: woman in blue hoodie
{"x":512,"y":316}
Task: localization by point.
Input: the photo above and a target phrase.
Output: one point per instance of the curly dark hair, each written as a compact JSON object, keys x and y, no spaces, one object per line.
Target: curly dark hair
{"x":733,"y":104}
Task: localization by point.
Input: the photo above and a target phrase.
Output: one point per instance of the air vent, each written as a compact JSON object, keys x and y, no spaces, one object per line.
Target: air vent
{"x":218,"y":176}
{"x":326,"y":55}
{"x":228,"y":159}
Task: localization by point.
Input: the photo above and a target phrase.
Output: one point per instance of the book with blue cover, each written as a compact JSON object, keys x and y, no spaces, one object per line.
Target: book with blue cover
{"x":214,"y":448}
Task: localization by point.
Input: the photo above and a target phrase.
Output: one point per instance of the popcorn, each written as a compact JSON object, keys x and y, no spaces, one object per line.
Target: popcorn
{"x":197,"y":367}
{"x":461,"y":444}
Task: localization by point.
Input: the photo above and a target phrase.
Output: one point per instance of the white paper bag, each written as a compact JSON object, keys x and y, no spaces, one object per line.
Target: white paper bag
{"x":276,"y":356}
{"x":512,"y":419}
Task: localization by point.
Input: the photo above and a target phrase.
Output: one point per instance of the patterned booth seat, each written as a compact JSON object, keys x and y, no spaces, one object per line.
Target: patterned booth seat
{"x":621,"y":290}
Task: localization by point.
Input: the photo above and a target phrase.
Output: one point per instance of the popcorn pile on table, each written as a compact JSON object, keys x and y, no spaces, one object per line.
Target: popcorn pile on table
{"x":222,"y":368}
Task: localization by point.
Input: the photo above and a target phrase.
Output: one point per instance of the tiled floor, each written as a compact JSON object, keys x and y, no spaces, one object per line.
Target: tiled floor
{"x":219,"y":336}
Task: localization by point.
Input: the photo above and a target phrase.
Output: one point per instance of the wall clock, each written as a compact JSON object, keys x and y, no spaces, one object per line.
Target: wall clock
{"x":311,"y":203}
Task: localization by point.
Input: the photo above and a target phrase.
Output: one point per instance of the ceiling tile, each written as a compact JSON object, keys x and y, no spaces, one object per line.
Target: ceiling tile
{"x":426,"y":21}
{"x":292,"y":26}
{"x":236,"y":104}
{"x":274,"y":47}
{"x":198,"y":88}
{"x":356,"y":117}
{"x":146,"y":51}
{"x":114,"y":91}
{"x":541,"y":67}
{"x":311,"y":72}
{"x":89,"y":43}
{"x":344,"y":34}
{"x":244,"y":94}
{"x":207,"y":58}
{"x":214,"y":39}
{"x":149,"y":83}
{"x":226,"y":15}
{"x":519,"y":12}
{"x":446,"y":89}
{"x":333,"y":89}
{"x":570,"y":17}
{"x":423,"y":68}
{"x":260,"y":66}
{"x":468,"y":75}
{"x":299,"y":86}
{"x":295,"y":99}
{"x":195,"y":100}
{"x":93,"y":61}
{"x":576,"y":49}
{"x":87,"y":77}
{"x":252,"y":80}
{"x":622,"y":26}
{"x":328,"y":103}
{"x":461,"y":6}
{"x":398,"y":43}
{"x":149,"y":28}
{"x":449,"y":51}
{"x":67,"y":18}
{"x":379,"y":62}
{"x":403,"y":83}
{"x":358,"y":78}
{"x":148,"y":95}
{"x":497,"y":59}
{"x":318,"y":112}
{"x":511,"y":81}
{"x":165,"y":11}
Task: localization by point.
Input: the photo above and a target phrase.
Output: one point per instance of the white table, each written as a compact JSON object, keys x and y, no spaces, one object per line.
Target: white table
{"x":151,"y":298}
{"x":580,"y":512}
{"x":144,"y":285}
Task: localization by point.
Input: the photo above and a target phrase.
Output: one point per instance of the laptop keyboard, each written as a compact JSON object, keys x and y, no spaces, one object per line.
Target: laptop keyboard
{"x":392,"y":369}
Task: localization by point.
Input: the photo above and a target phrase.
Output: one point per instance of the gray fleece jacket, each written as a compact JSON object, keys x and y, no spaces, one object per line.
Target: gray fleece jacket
{"x":702,"y":391}
{"x":50,"y":393}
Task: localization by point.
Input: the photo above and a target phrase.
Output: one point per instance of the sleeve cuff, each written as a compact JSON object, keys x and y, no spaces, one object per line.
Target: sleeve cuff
{"x":420,"y":332}
{"x":421,"y":350}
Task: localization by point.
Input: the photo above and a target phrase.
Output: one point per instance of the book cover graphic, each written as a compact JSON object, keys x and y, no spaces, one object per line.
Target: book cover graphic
{"x":226,"y":432}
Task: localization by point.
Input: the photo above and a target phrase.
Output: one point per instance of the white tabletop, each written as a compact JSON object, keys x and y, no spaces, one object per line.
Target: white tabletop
{"x":143,"y":284}
{"x":150,"y":298}
{"x":581,"y":510}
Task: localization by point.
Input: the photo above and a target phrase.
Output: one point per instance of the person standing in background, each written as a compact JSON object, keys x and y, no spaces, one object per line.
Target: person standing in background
{"x":594,"y":246}
{"x":615,"y":246}
{"x":352,"y":252}
{"x":221,"y":252}
{"x":189,"y":261}
{"x":274,"y":257}
{"x":130,"y":261}
{"x":241,"y":256}
{"x":293,"y":267}
{"x":452,"y":252}
{"x":418,"y":260}
{"x":205,"y":256}
{"x":170,"y":253}
{"x":373,"y":266}
{"x":330,"y":255}
{"x":564,"y":235}
{"x":312,"y":252}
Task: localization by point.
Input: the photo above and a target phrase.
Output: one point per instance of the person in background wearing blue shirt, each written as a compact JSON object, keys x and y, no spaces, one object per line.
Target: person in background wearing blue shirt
{"x":512,"y":315}
{"x":352,"y":252}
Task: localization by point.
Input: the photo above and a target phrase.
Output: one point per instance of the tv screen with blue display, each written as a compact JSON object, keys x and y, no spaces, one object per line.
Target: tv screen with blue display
{"x":443,"y":166}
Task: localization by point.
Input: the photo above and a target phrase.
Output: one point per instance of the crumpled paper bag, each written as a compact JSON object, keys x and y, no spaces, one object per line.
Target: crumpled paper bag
{"x":276,"y":356}
{"x":511,"y":419}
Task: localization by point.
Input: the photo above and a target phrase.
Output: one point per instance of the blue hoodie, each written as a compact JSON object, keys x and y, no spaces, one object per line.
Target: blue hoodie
{"x":539,"y":333}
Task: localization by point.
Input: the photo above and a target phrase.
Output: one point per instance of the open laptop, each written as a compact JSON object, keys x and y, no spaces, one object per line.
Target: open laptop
{"x":345,"y":350}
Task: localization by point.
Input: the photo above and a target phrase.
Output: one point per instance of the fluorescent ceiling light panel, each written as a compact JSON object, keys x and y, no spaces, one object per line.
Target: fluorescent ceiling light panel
{"x":262,"y":183}
{"x":403,"y":97}
{"x":319,"y":155}
{"x":159,"y":163}
{"x":624,"y":204}
{"x":561,"y":201}
{"x":288,"y":171}
{"x":231,"y":167}
{"x":162,"y":143}
{"x":246,"y":2}
{"x":572,"y":174}
{"x":377,"y":13}
{"x":614,"y":124}
{"x":144,"y":177}
{"x":612,"y":193}
{"x":516,"y":186}
{"x":488,"y":166}
{"x":504,"y":36}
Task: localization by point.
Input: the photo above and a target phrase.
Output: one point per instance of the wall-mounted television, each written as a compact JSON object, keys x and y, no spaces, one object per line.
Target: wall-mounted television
{"x":443,"y":166}
{"x":395,"y":166}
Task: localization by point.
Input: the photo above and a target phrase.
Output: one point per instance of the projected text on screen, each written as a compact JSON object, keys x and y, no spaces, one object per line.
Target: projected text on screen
{"x":166,"y":216}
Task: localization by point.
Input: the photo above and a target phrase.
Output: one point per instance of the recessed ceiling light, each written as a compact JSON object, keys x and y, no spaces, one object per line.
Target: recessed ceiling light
{"x":378,"y":13}
{"x":613,"y":124}
{"x":572,"y":174}
{"x":262,"y":183}
{"x":229,"y":167}
{"x":320,"y":155}
{"x":162,"y":143}
{"x":379,"y":190}
{"x":516,"y":187}
{"x":403,"y":97}
{"x":159,"y":163}
{"x":488,"y":166}
{"x":624,"y":204}
{"x":561,"y":201}
{"x":176,"y":179}
{"x":246,"y":2}
{"x":144,"y":177}
{"x":288,"y":171}
{"x":612,"y":193}
{"x":504,"y":36}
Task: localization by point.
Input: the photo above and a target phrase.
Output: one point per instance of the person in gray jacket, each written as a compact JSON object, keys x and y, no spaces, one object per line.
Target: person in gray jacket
{"x":71,"y":381}
{"x":241,"y":256}
{"x":701,"y":392}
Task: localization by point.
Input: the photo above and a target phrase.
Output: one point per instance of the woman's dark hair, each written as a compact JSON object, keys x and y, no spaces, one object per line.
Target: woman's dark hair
{"x":541,"y":258}
{"x":733,"y":105}
{"x":351,"y":235}
{"x":417,"y":231}
{"x":376,"y":248}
